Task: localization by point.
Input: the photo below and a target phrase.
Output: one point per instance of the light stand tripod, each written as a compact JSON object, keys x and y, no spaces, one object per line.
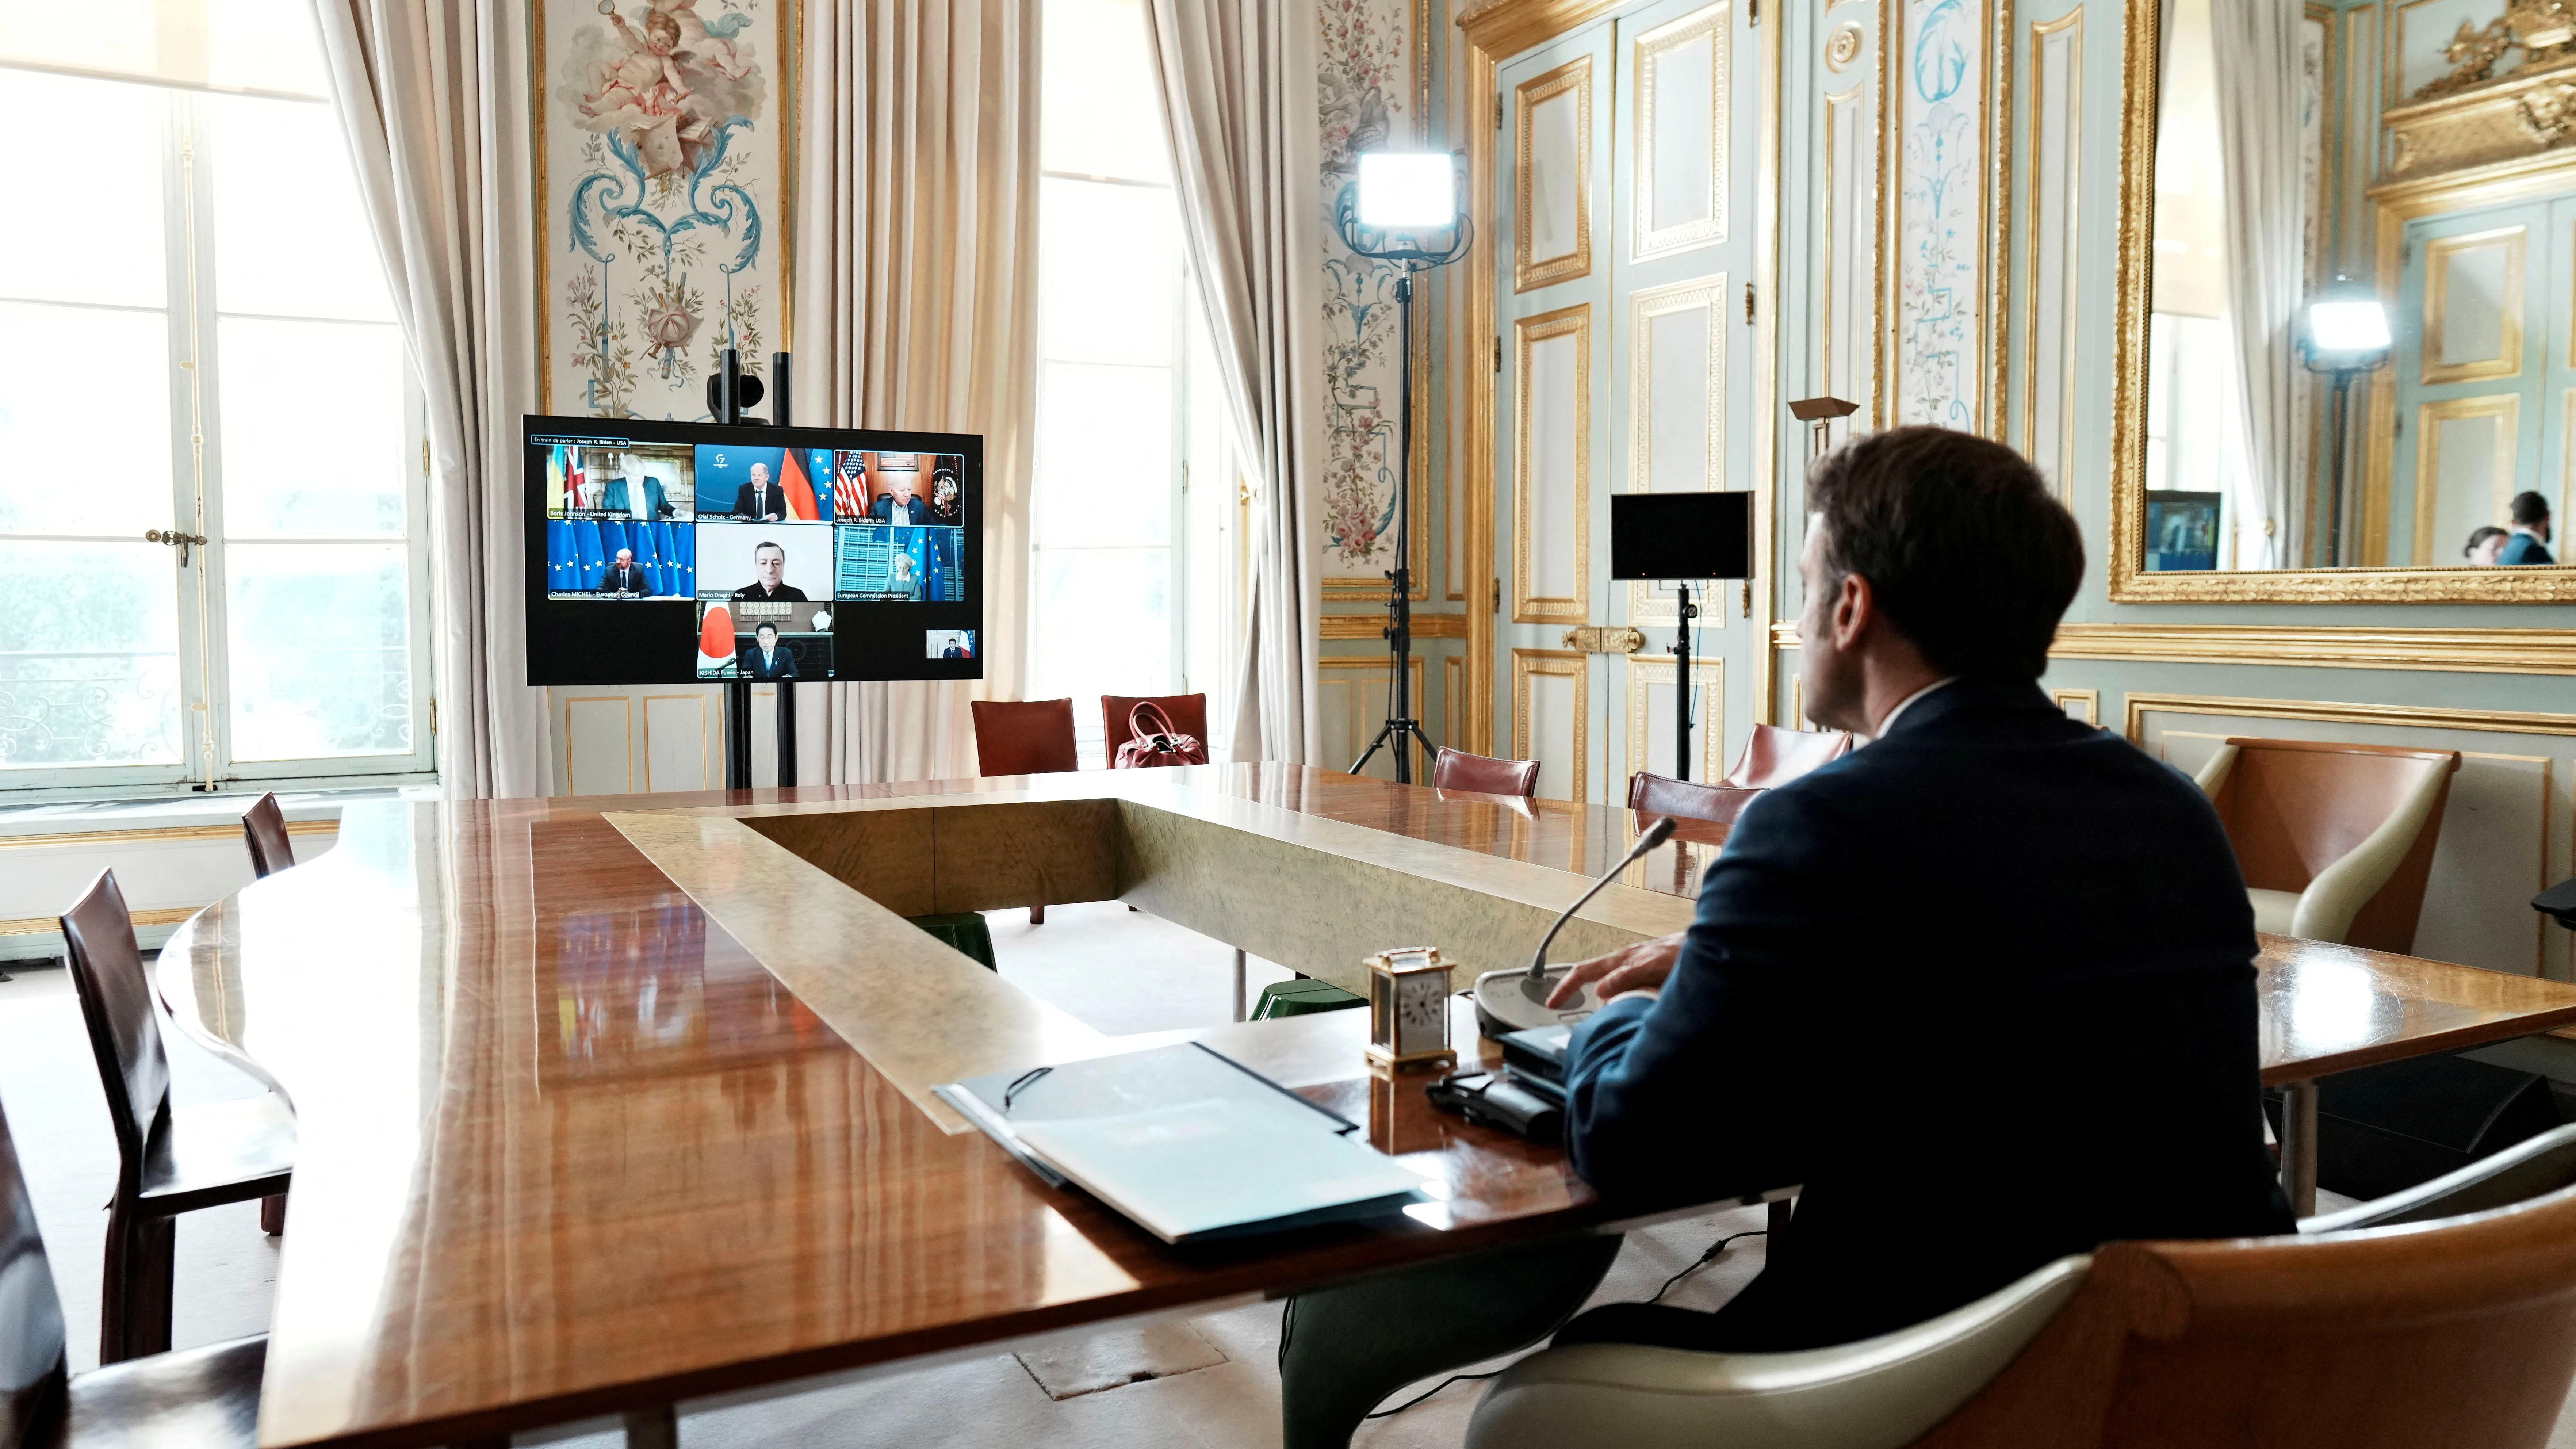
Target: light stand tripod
{"x":1406,"y":249}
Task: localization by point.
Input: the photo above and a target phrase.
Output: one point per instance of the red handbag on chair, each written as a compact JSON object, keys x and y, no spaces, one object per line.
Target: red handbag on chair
{"x":1157,"y":745}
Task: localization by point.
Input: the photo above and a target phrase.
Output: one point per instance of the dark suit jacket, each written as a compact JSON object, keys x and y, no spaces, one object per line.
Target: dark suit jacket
{"x":883,"y":511}
{"x":787,"y":593}
{"x":752,"y":502}
{"x":1985,"y":988}
{"x":2522,"y":548}
{"x":634,"y":578}
{"x":782,"y":664}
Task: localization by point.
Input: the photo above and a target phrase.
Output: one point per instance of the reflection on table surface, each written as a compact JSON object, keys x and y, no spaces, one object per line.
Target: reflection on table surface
{"x":566,"y":1144}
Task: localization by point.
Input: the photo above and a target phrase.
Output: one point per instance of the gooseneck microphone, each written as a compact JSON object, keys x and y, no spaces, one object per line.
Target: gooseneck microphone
{"x":1516,"y":1000}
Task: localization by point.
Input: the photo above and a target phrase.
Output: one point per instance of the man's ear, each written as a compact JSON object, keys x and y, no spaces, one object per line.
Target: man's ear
{"x":1855,"y":607}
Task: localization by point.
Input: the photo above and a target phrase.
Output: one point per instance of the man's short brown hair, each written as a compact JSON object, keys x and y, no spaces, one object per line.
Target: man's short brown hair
{"x":2529,"y":509}
{"x":1962,"y":544}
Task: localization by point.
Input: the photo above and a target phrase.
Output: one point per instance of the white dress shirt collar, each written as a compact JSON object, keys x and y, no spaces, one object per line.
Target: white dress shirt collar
{"x":1902,"y":705}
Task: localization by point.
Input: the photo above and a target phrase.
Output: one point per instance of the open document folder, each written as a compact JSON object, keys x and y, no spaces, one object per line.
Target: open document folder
{"x":1186,"y":1142}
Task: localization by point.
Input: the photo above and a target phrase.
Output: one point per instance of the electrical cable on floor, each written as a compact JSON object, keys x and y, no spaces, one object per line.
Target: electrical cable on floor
{"x":1703,"y":1261}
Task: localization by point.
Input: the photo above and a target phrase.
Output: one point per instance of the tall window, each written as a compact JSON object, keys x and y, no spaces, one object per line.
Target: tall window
{"x":199,"y":342}
{"x":1124,"y":410}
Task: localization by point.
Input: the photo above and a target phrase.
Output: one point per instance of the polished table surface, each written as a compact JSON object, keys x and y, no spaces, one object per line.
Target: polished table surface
{"x":618,"y":1101}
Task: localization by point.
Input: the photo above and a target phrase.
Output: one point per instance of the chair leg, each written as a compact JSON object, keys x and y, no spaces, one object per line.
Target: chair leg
{"x":1037,"y":915}
{"x":272,"y":1214}
{"x":134,"y":1306}
{"x":652,"y":1428}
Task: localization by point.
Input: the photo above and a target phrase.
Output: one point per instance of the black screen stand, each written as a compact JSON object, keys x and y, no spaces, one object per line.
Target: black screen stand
{"x":726,"y":396}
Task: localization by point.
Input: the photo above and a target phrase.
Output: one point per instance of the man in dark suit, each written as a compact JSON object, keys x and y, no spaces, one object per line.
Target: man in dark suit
{"x":626,"y":576}
{"x":760,"y":499}
{"x":767,"y":658}
{"x":2530,"y":542}
{"x":1983,"y":988}
{"x":769,"y":572}
{"x":899,"y":506}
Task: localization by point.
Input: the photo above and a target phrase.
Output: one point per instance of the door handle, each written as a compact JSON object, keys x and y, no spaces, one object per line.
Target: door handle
{"x":1605,"y":639}
{"x":177,"y":540}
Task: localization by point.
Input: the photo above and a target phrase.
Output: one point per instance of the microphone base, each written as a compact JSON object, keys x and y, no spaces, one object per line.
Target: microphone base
{"x":1508,"y":1001}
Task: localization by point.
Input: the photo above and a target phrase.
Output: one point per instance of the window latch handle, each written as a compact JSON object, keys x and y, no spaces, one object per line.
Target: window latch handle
{"x":176,"y":539}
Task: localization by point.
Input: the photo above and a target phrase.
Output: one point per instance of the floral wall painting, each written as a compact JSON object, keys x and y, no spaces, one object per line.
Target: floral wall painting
{"x":1364,"y":98}
{"x":1940,"y":224}
{"x":662,"y":143}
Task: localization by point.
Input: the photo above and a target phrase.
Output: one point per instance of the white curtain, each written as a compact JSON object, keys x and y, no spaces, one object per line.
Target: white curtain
{"x":433,"y":96}
{"x":2255,"y":44}
{"x":1237,"y":83}
{"x":916,"y":307}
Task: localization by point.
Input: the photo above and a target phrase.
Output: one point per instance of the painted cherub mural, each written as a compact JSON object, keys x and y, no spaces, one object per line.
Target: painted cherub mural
{"x":664,"y":93}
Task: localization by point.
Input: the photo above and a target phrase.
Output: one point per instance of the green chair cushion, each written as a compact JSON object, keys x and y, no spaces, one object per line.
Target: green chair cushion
{"x":964,"y":931}
{"x":1296,"y":998}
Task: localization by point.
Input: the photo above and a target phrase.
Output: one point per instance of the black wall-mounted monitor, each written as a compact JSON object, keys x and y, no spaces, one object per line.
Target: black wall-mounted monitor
{"x":684,"y":553}
{"x":1681,"y":535}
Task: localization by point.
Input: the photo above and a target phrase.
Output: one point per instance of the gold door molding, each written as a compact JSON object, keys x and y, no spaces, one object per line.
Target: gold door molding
{"x":1529,"y":607}
{"x":1528,"y":271}
{"x":2506,"y":409}
{"x":1707,"y":294}
{"x":2440,"y":255}
{"x":2064,"y":171}
{"x":625,"y":735}
{"x":1495,"y":30}
{"x":2325,"y":646}
{"x":2089,"y":699}
{"x":1373,"y":626}
{"x":2397,"y":716}
{"x":2392,"y":203}
{"x":1647,"y":240}
{"x":1854,"y":227}
{"x":1570,"y":664}
{"x":1709,"y":674}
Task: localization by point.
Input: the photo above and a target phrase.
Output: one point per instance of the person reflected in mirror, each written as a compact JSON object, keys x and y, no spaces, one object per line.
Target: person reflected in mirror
{"x":769,"y":572}
{"x":626,"y":576}
{"x":767,"y":658}
{"x":2530,"y":542}
{"x":2485,"y":542}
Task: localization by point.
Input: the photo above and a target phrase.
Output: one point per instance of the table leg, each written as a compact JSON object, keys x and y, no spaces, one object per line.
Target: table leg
{"x":653,"y":1428}
{"x":1238,"y":983}
{"x":1779,"y":1215}
{"x":2299,"y":1147}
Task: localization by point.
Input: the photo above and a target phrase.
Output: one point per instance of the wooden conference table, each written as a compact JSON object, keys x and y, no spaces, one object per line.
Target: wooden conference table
{"x":610,"y":1104}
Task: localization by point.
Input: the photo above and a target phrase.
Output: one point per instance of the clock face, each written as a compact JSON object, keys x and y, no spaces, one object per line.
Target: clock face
{"x":1421,"y":1010}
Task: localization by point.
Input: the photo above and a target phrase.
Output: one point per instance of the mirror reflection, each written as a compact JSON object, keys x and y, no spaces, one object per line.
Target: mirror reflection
{"x":2361,"y":347}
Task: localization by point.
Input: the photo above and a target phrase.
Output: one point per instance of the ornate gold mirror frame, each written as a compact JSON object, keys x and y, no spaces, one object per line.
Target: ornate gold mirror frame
{"x":2392,"y":204}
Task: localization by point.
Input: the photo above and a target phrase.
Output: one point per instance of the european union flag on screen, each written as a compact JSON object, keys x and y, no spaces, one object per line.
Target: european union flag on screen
{"x":558,"y":555}
{"x":940,"y":580}
{"x":590,"y":563}
{"x":666,"y":560}
{"x":685,"y":558}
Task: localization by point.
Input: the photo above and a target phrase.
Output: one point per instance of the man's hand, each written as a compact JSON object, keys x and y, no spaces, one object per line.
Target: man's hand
{"x":1641,"y":967}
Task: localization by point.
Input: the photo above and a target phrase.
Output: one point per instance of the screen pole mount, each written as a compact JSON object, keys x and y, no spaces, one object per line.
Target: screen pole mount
{"x":729,"y":391}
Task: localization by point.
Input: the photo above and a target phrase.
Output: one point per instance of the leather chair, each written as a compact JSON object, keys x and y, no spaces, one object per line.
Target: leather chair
{"x":1687,"y":801}
{"x":2457,"y":1330}
{"x":1024,"y":737}
{"x":1482,"y":774}
{"x":1187,"y":712}
{"x":1774,"y":756}
{"x":264,"y":827}
{"x":205,"y":1398}
{"x":172,"y":1159}
{"x":2335,"y":841}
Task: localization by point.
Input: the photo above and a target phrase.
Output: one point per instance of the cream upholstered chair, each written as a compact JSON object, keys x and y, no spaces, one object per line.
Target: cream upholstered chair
{"x":1878,"y":1393}
{"x":2336,"y":841}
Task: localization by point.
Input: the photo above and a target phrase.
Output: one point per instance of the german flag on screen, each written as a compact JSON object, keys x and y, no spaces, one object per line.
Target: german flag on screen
{"x":798,"y":488}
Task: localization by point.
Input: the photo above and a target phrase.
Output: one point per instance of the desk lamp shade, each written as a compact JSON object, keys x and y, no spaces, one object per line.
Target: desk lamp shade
{"x":1409,"y":1008}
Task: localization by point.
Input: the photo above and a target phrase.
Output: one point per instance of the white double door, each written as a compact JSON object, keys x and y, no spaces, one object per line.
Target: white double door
{"x":1626,"y":220}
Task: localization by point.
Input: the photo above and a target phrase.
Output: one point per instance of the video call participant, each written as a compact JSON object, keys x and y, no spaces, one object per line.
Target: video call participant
{"x":638,"y":494}
{"x":956,"y":650}
{"x":900,"y":506}
{"x":767,"y":658}
{"x":759,"y":498}
{"x":626,"y":576}
{"x":2529,"y":544}
{"x":2013,"y":897}
{"x":769,"y":568}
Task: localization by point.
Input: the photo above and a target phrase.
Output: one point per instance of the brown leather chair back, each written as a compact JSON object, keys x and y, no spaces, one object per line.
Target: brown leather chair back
{"x":1187,"y":712}
{"x":2456,"y":1332}
{"x":2294,"y":807}
{"x":264,"y":826}
{"x":1483,"y":774}
{"x":116,"y":1002}
{"x":1774,"y":756}
{"x":1016,"y":737}
{"x":32,"y":1358}
{"x":1686,"y":800}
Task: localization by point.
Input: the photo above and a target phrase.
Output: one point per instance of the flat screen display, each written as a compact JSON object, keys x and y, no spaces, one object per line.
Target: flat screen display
{"x":679,"y":553}
{"x":1681,"y":535}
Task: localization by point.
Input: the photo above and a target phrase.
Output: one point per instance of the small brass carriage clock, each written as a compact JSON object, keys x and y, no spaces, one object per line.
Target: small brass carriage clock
{"x":1409,"y":1009}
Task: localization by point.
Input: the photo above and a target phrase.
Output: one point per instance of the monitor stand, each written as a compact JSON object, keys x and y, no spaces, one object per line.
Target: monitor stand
{"x":738,"y":734}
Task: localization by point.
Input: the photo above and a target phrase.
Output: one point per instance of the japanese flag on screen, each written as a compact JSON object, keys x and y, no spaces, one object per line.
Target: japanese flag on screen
{"x":715,"y":638}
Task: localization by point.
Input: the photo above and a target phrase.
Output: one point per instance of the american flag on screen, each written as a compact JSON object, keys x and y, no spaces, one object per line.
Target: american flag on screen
{"x":849,"y":492}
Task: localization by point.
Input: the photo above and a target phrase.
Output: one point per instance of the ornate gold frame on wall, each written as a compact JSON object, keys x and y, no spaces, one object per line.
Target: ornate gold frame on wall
{"x":2130,"y":583}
